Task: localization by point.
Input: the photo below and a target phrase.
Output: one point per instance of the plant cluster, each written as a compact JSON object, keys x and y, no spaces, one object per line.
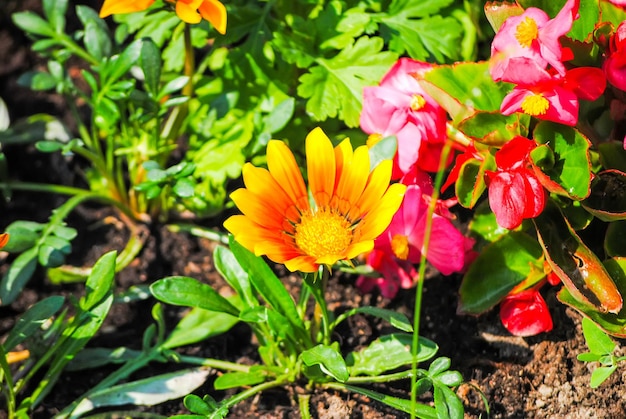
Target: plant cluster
{"x":174,"y":100}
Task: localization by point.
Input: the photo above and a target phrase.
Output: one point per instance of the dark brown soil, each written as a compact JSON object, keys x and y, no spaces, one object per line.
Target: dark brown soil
{"x":536,"y":377}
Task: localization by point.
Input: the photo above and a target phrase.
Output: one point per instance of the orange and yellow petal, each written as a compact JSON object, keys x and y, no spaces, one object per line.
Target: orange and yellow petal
{"x":256,"y":209}
{"x":4,"y":239}
{"x":115,"y":7}
{"x":265,"y":187}
{"x":284,"y":169}
{"x":215,"y":12}
{"x":187,"y":10}
{"x":377,"y":184}
{"x":320,"y":160}
{"x":359,"y":248}
{"x":303,"y":263}
{"x":352,"y":179}
{"x":379,"y":218}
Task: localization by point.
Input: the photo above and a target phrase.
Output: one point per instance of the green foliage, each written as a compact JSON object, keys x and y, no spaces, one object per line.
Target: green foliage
{"x":601,"y":349}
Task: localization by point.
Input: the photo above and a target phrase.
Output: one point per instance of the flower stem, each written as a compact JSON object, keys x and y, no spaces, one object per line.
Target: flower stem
{"x":422,"y":270}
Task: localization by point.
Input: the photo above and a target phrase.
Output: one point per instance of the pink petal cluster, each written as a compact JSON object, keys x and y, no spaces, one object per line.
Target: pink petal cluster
{"x":515,"y":192}
{"x":399,"y":106}
{"x":551,"y":96}
{"x":526,"y":51}
{"x":400,"y":247}
{"x":525,"y":313}
{"x":532,"y":35}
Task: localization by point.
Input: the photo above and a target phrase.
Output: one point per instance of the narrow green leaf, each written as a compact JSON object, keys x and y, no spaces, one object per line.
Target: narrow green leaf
{"x":32,"y":23}
{"x":55,"y":13}
{"x":150,"y":60}
{"x":198,"y":325}
{"x":420,"y":410}
{"x":588,"y":357}
{"x":189,"y":292}
{"x":233,"y":273}
{"x":18,"y":274}
{"x":447,"y":403}
{"x":99,"y":281}
{"x":439,"y":365}
{"x":31,"y":320}
{"x":145,"y":392}
{"x":267,"y":283}
{"x":239,"y":379}
{"x":398,"y":320}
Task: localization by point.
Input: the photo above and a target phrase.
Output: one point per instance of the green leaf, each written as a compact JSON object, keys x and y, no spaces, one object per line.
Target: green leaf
{"x":588,"y":18}
{"x":267,"y":283}
{"x":430,"y":33}
{"x":198,"y":325}
{"x":384,"y":149}
{"x":574,"y":263}
{"x":439,"y":365}
{"x":495,"y":129}
{"x":100,"y":281}
{"x":150,"y":61}
{"x":328,"y":359}
{"x":145,"y":392}
{"x":571,"y":173}
{"x":184,"y":188}
{"x":420,"y":410}
{"x":600,"y":374}
{"x":607,"y":199}
{"x":597,"y":341}
{"x":239,"y":379}
{"x":32,"y":23}
{"x":22,"y":235}
{"x":612,"y":155}
{"x":398,"y":320}
{"x":16,"y":277}
{"x":234,"y":274}
{"x":447,"y":403}
{"x":279,"y":116}
{"x":32,"y":320}
{"x":470,"y":184}
{"x":588,"y":356}
{"x":189,"y":292}
{"x":500,"y":266}
{"x":614,"y":243}
{"x":387,"y":353}
{"x":55,"y":10}
{"x":613,"y":324}
{"x":37,"y":80}
{"x":463,"y":88}
{"x":334,"y":86}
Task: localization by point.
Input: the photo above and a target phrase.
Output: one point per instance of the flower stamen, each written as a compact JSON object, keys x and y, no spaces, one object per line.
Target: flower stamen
{"x":323,"y":233}
{"x":535,"y":105}
{"x":400,"y":246}
{"x":526,"y":32}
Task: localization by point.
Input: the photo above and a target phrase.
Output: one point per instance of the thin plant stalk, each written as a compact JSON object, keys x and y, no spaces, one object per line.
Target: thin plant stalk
{"x":419,"y":289}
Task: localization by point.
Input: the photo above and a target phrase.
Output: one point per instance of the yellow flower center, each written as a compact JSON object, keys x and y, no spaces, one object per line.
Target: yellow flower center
{"x":526,"y":32}
{"x":535,"y":105}
{"x":373,"y":139}
{"x":400,"y":246}
{"x":417,"y":102}
{"x":323,"y":233}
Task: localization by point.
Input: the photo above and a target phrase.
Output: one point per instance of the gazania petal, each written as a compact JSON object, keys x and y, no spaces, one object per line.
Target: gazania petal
{"x":187,"y":13}
{"x":376,"y":185}
{"x":353,"y":178}
{"x":265,"y":187}
{"x":115,"y":7}
{"x":256,"y":209}
{"x":320,"y":158}
{"x":284,"y":169}
{"x":380,"y":216}
{"x":302,"y":264}
{"x":215,"y":12}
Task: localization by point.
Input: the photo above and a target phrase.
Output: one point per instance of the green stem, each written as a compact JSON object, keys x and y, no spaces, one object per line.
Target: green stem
{"x":422,"y":270}
{"x":7,"y":381}
{"x":213,"y":363}
{"x":321,"y":319}
{"x":231,"y":401}
{"x":199,"y":231}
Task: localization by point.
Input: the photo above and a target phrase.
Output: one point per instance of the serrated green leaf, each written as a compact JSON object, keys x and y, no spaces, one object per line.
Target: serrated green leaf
{"x":334,"y":86}
{"x":387,"y":353}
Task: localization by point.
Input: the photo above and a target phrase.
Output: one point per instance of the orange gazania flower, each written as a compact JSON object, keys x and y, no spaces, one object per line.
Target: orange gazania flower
{"x":350,"y":205}
{"x":190,"y":11}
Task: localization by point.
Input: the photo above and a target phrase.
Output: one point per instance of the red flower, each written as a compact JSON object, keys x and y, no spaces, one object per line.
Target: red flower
{"x":525,"y":313}
{"x":515,"y":193}
{"x":615,"y":65}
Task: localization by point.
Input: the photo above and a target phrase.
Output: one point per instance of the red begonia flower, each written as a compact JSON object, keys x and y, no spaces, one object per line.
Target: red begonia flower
{"x":525,"y":313}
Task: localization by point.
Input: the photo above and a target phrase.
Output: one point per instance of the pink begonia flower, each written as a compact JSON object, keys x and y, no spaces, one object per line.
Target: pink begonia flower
{"x":619,"y":3}
{"x":515,"y":192}
{"x":401,"y":245}
{"x":399,"y":106}
{"x":548,"y":96}
{"x":525,"y":313}
{"x":615,"y":65}
{"x":532,"y":35}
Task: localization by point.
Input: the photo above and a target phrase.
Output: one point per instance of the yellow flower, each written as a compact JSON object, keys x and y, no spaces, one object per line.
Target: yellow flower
{"x":350,"y":205}
{"x":190,"y":11}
